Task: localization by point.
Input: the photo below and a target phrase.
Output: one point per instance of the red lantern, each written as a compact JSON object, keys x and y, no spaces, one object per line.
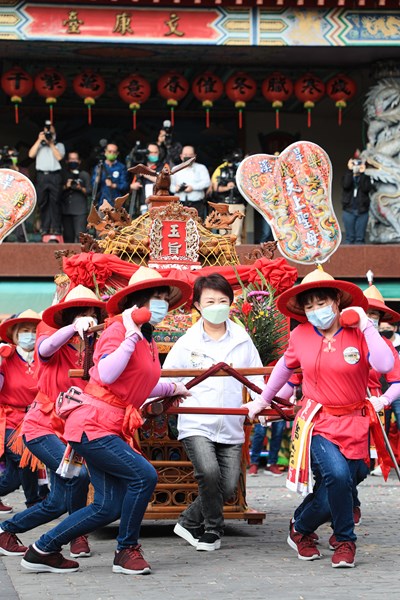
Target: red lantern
{"x":173,"y":87}
{"x":240,"y":88}
{"x":89,"y":86}
{"x":134,"y":90}
{"x":309,"y":89}
{"x":16,"y":83}
{"x":208,"y":88}
{"x":340,"y":89}
{"x":50,"y":84}
{"x":277,"y":88}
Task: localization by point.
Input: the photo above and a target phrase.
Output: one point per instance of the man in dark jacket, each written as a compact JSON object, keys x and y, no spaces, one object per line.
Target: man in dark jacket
{"x":355,"y":201}
{"x":74,"y":198}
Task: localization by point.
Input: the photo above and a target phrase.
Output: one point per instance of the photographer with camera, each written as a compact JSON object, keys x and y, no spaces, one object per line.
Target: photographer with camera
{"x":224,"y":187}
{"x":74,"y":198}
{"x":170,"y":151}
{"x":356,"y":187}
{"x":110,"y":177}
{"x":190,"y":184}
{"x":142,"y":185}
{"x":48,"y":154}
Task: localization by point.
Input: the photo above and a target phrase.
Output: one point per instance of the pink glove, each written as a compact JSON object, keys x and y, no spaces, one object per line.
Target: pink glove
{"x":379,"y":402}
{"x":180,"y":390}
{"x":363,"y":320}
{"x":256,"y":406}
{"x":129,"y":322}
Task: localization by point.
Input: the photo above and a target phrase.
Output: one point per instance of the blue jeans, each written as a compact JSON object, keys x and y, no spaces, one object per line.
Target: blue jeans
{"x":355,"y":225}
{"x":14,"y":476}
{"x":259,"y":431}
{"x":217,"y":470}
{"x":66,"y":495}
{"x":333,"y":494}
{"x":123,"y":482}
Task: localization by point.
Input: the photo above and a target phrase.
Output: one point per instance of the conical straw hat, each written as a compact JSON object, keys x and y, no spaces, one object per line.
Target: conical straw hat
{"x":376,"y":302}
{"x":78,"y":296}
{"x":350,"y":294}
{"x":26,"y":316}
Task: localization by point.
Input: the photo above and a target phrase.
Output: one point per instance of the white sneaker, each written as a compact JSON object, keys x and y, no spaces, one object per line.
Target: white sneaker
{"x":377,"y":472}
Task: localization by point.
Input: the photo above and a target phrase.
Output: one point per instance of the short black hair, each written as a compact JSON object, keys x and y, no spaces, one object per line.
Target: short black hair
{"x":69,"y":314}
{"x":212,"y":282}
{"x":142,"y":297}
{"x":321,"y":293}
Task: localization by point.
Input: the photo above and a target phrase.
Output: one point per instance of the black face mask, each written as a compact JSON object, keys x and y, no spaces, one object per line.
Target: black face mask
{"x":386,"y":334}
{"x":72,"y":164}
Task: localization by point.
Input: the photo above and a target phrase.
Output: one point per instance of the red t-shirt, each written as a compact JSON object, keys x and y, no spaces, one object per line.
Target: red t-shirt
{"x":19,"y":388}
{"x":53,"y":378}
{"x":334,"y":374}
{"x":132,"y":387}
{"x":374,"y":384}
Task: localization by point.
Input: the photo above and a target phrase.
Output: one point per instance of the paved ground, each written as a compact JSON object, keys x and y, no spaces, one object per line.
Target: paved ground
{"x":254,"y":561}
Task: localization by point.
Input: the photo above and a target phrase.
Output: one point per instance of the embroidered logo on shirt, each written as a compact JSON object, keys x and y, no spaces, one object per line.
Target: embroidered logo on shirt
{"x":351,"y":355}
{"x":200,"y":360}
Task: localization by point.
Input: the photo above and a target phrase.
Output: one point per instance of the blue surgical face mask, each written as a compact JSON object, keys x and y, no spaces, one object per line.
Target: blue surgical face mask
{"x":152,"y":158}
{"x":27,"y":341}
{"x":216,"y":313}
{"x":375,"y":321}
{"x":322,"y":318}
{"x":158,"y":309}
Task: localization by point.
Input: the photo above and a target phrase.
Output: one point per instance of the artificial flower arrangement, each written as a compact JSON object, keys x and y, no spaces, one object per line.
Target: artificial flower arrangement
{"x":255,"y":310}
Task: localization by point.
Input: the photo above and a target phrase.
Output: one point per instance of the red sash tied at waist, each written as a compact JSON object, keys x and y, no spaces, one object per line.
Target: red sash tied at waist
{"x":99,"y":395}
{"x":356,"y":409}
{"x":6,"y":409}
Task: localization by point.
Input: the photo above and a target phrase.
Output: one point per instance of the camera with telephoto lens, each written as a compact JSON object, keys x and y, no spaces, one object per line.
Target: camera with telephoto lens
{"x":137,"y":155}
{"x":76,"y":181}
{"x":356,"y":165}
{"x":47,"y":133}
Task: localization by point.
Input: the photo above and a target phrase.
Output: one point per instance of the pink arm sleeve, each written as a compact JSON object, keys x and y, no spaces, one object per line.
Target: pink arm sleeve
{"x":1,"y":380}
{"x":162,"y":389}
{"x":279,"y":377}
{"x":392,"y":393}
{"x":286,"y":391}
{"x":380,"y":355}
{"x":51,"y":344}
{"x":112,"y":365}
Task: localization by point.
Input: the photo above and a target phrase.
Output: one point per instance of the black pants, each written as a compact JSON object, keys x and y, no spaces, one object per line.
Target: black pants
{"x":48,"y":189}
{"x":200,"y":206}
{"x":73,"y":226}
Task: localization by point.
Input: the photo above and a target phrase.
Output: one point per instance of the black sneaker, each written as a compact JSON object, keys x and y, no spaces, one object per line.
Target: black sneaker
{"x":47,"y":563}
{"x":191,"y":535}
{"x":208,"y":542}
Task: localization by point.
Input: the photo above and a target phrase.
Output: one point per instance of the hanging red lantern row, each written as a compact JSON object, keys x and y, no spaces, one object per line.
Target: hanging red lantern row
{"x":50,"y":84}
{"x":16,"y":83}
{"x":240,"y":88}
{"x":173,"y":87}
{"x":309,"y":89}
{"x":89,"y":86}
{"x":277,"y":88}
{"x":134,"y":90}
{"x":207,"y":88}
{"x":340,"y":89}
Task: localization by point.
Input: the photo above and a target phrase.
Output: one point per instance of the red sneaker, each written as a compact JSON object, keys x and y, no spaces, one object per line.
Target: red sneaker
{"x":131,"y":562}
{"x":47,"y":563}
{"x":303,"y":544}
{"x":273,"y":470}
{"x":344,"y":555}
{"x":10,"y":545}
{"x":357,"y":515}
{"x":79,"y":547}
{"x":333,"y":542}
{"x":5,"y":509}
{"x":314,"y":536}
{"x":253,"y":471}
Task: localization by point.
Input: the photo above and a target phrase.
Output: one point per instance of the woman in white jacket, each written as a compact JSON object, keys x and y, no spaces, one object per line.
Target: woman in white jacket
{"x":213,"y":443}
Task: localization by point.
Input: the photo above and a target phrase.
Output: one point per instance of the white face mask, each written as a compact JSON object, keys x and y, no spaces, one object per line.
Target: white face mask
{"x":216,"y":313}
{"x":26,"y":340}
{"x":321,"y":318}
